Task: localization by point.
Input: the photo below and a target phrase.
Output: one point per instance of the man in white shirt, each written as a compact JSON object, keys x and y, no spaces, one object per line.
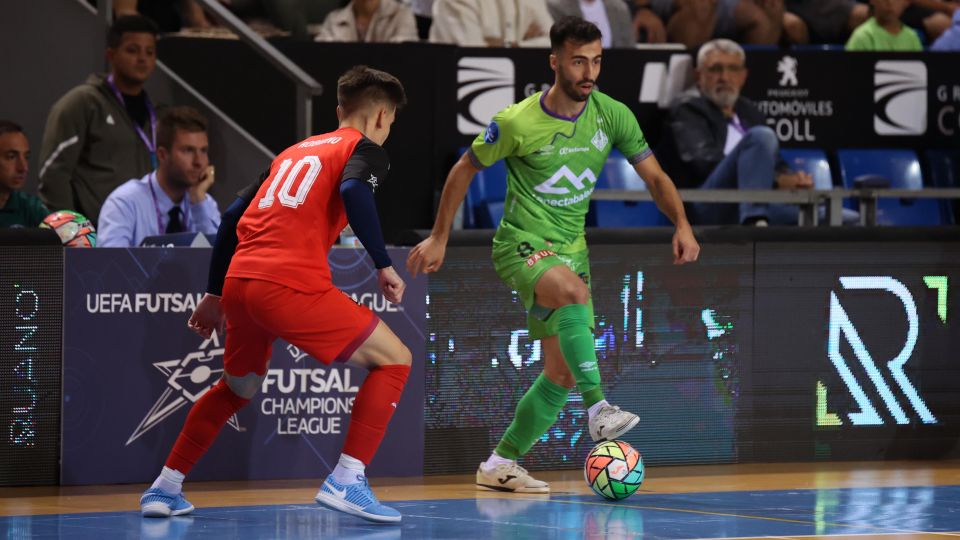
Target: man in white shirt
{"x":491,"y":23}
{"x":612,"y":17}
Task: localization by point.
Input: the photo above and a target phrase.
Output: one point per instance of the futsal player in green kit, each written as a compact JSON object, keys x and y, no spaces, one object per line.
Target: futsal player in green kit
{"x":555,"y":143}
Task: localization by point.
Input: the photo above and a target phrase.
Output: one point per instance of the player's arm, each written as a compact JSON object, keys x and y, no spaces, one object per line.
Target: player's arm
{"x":630,"y":140}
{"x":427,"y":256}
{"x":660,"y":186}
{"x":494,"y":144}
{"x":208,"y":315}
{"x":364,"y":171}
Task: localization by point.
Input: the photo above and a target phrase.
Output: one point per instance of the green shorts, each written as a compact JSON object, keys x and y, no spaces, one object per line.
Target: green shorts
{"x":520,"y":259}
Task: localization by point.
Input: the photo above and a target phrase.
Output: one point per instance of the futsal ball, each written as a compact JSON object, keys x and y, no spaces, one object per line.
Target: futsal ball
{"x":74,"y":229}
{"x":613,"y":470}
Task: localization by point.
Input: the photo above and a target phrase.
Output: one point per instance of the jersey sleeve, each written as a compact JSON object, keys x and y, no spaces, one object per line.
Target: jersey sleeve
{"x":498,"y":141}
{"x":369,"y":163}
{"x":627,"y":136}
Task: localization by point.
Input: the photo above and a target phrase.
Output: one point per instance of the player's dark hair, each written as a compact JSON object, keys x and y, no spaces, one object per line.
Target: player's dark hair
{"x":8,"y":126}
{"x":574,"y":29}
{"x":183,"y":118}
{"x":130,"y":24}
{"x":361,"y":85}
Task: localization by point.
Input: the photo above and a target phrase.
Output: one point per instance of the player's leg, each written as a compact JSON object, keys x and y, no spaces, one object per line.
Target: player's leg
{"x":566,"y":293}
{"x":247,"y":352}
{"x":332,"y":327}
{"x":536,"y":411}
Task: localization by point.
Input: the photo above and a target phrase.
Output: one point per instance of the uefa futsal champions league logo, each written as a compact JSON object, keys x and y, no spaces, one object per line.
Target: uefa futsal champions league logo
{"x":188,"y":379}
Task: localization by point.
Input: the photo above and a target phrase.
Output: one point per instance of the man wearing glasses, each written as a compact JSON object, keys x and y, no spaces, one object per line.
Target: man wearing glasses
{"x":717,"y":139}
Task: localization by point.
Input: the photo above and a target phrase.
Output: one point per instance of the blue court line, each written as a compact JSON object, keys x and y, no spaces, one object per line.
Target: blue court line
{"x":792,"y":513}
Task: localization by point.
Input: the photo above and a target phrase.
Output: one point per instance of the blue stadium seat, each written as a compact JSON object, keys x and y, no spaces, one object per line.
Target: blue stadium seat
{"x":811,"y":161}
{"x":619,"y":174}
{"x":943,"y":168}
{"x":483,"y":206}
{"x":902,"y":169}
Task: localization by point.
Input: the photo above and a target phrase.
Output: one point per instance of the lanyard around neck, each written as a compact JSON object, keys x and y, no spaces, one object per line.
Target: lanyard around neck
{"x":156,"y":207}
{"x":150,"y":142}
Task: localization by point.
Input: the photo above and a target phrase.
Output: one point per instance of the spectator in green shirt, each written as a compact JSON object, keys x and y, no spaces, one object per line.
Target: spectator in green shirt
{"x":884,"y":31}
{"x":16,"y":209}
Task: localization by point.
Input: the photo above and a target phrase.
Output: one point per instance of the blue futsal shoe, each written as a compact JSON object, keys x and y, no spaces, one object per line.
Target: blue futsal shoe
{"x":355,"y":499}
{"x":158,"y":503}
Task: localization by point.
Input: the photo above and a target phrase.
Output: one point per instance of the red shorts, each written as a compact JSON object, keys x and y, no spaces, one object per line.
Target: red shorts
{"x":329,"y":326}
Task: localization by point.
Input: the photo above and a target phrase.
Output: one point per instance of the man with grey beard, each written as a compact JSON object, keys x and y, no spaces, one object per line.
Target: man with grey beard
{"x":717,"y":139}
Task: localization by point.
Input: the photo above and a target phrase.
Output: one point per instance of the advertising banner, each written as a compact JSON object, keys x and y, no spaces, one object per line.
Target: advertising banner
{"x":132,"y":370}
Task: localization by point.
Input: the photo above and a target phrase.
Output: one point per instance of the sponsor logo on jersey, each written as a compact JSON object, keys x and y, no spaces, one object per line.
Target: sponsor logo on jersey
{"x":900,"y":95}
{"x":545,"y":150}
{"x":573,"y":150}
{"x":599,"y":140}
{"x":373,"y":181}
{"x":492,"y":134}
{"x":543,"y":253}
{"x":485,"y":86}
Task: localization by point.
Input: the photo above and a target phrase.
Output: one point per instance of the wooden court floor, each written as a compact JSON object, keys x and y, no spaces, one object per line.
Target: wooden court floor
{"x":877,"y":499}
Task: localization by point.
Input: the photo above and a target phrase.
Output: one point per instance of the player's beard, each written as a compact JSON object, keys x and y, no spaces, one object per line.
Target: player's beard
{"x":572,"y":90}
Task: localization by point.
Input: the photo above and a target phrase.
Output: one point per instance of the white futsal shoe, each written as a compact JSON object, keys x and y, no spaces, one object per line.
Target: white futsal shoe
{"x":511,"y":478}
{"x":611,"y":423}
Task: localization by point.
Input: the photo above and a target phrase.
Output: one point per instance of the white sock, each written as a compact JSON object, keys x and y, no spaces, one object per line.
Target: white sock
{"x":595,"y":408}
{"x":348,"y":470}
{"x":170,"y":481}
{"x":494,"y":460}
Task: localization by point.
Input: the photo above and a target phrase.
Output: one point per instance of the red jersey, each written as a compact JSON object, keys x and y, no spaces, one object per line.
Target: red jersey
{"x":297,"y":214}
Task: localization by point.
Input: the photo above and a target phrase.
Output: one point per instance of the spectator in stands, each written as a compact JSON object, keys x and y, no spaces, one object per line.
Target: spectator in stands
{"x":932,"y":17}
{"x":612,"y":17}
{"x":423,"y":13}
{"x":884,"y":31}
{"x":717,"y":139}
{"x":17,"y":209}
{"x":647,"y":24}
{"x":950,"y":40}
{"x":102,"y":132}
{"x":822,"y":21}
{"x":491,"y":23}
{"x":370,"y":21}
{"x":171,"y":199}
{"x":692,"y":22}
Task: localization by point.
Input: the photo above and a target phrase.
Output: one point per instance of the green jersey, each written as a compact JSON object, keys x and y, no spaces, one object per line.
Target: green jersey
{"x":553,"y":161}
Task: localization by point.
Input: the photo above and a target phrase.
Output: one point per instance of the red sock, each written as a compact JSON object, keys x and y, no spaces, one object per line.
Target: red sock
{"x":372,"y":409}
{"x":204,"y":422}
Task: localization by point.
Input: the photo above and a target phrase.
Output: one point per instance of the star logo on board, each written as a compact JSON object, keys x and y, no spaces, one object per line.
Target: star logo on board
{"x":188,"y":379}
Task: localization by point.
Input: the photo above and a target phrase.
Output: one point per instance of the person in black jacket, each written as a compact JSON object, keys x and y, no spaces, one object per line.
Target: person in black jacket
{"x":717,"y":139}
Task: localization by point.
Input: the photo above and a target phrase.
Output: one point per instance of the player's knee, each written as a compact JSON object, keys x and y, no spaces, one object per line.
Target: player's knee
{"x":575,"y":293}
{"x":559,"y":377}
{"x":244,"y":387}
{"x":398,"y":355}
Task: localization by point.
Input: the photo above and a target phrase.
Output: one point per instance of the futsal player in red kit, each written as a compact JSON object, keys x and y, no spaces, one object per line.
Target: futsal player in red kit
{"x":279,"y":286}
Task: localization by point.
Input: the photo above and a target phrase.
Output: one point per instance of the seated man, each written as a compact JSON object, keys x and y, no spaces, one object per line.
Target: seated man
{"x":172,"y":198}
{"x":370,"y":21}
{"x":491,"y":23}
{"x":950,"y":40}
{"x":612,"y":17}
{"x":822,"y":21}
{"x":17,"y":209}
{"x":717,"y":139}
